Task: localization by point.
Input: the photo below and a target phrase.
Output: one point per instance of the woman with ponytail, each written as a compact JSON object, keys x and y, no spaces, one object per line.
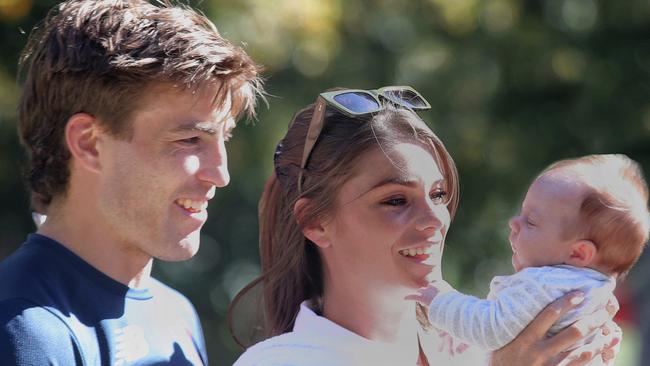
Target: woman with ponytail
{"x":352,"y":221}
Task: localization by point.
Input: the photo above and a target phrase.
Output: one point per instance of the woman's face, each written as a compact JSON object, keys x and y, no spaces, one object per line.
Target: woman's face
{"x":390,"y":222}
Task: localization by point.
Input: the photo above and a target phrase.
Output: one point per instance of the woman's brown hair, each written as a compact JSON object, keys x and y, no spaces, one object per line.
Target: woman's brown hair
{"x":291,"y":264}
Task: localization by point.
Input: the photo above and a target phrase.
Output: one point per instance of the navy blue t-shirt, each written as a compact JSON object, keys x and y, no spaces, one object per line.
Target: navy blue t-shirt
{"x":56,"y":309}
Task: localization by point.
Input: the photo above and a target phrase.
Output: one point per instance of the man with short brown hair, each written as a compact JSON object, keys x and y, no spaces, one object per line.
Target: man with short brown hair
{"x":125,"y":110}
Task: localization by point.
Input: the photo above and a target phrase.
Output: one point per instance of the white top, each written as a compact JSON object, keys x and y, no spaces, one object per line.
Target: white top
{"x":514,"y":301}
{"x":317,"y":341}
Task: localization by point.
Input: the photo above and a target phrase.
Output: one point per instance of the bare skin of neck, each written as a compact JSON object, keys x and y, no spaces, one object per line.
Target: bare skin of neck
{"x":374,"y":314}
{"x":71,"y":223}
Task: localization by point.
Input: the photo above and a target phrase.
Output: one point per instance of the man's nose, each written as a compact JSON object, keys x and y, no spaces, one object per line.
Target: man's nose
{"x":214,"y":166}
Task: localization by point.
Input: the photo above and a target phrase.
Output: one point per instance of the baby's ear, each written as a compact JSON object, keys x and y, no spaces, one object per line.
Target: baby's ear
{"x":313,"y":229}
{"x":583,"y":252}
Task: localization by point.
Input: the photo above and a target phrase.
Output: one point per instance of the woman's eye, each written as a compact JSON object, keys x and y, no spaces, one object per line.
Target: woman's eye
{"x":190,"y":140}
{"x":397,"y":201}
{"x":439,"y":197}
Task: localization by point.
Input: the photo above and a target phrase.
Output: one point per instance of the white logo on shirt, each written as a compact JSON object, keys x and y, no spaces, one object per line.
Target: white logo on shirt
{"x":130,"y":344}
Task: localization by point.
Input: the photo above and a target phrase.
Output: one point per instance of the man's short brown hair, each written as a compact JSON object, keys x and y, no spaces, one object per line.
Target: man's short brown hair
{"x":100,"y":57}
{"x":613,"y":209}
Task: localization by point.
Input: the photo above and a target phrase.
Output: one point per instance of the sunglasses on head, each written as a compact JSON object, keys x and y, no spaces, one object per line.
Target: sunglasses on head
{"x":357,"y":102}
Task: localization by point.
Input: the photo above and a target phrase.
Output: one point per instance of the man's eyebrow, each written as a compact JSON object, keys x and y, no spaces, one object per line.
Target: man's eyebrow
{"x":205,"y":127}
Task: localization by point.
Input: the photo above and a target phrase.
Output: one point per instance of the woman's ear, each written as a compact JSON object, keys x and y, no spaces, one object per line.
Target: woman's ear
{"x":81,"y":137}
{"x":583,"y":252}
{"x":312,"y":230}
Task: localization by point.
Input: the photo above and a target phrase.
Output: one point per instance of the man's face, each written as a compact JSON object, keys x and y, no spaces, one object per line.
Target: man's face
{"x":154,"y":189}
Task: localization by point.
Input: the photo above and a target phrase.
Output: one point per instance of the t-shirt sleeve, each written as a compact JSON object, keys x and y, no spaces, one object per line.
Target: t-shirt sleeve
{"x":32,"y":335}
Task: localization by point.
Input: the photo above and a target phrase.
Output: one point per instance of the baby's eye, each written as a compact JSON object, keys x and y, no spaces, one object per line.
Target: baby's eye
{"x":527,"y":220}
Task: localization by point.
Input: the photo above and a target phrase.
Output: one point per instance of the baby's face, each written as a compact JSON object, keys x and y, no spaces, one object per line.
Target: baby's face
{"x":539,"y":234}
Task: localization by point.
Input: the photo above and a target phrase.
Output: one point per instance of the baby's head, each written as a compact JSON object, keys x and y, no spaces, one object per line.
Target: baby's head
{"x":586,"y":212}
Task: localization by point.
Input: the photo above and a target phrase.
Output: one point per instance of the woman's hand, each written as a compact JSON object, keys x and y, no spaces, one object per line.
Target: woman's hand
{"x":532,"y":348}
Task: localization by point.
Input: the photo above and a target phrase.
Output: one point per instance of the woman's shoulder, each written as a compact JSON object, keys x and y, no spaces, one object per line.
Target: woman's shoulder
{"x":291,"y":349}
{"x":264,"y":353}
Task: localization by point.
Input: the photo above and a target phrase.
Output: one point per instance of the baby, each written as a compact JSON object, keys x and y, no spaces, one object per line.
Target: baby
{"x":584,"y":222}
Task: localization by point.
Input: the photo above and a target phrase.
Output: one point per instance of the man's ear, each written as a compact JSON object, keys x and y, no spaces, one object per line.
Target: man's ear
{"x":314,"y":229}
{"x":582,"y":253}
{"x":81,"y":136}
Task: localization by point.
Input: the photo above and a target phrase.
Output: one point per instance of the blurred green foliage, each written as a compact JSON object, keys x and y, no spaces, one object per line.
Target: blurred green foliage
{"x":514,"y":86}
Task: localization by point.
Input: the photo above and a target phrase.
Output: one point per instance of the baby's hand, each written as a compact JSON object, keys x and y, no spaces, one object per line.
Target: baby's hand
{"x":426,"y":294}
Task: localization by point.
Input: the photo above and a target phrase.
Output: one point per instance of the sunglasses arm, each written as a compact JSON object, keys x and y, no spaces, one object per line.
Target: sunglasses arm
{"x":315,"y":127}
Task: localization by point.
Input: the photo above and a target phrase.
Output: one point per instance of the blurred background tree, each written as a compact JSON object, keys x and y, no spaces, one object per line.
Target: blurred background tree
{"x":514,"y":86}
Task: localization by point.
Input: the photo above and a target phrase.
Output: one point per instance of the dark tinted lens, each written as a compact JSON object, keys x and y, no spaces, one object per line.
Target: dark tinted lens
{"x":357,"y":102}
{"x":406,"y":98}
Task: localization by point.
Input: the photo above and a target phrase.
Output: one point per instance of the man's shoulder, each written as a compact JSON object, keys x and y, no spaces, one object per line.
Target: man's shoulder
{"x":173,"y":306}
{"x":26,"y":315}
{"x":169,"y":295}
{"x":24,"y":253}
{"x":24,"y":272}
{"x":170,"y":300}
{"x":34,"y":334}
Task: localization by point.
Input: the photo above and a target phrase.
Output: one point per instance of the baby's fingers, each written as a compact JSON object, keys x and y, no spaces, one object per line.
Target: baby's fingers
{"x":414,"y":297}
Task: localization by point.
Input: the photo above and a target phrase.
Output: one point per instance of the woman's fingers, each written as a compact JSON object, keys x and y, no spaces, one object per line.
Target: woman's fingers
{"x":532,"y":348}
{"x":595,"y":346}
{"x":584,"y":360}
{"x":589,"y":324}
{"x":577,"y":331}
{"x":605,"y":345}
{"x":569,"y":359}
{"x":418,"y":298}
{"x":542,"y":323}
